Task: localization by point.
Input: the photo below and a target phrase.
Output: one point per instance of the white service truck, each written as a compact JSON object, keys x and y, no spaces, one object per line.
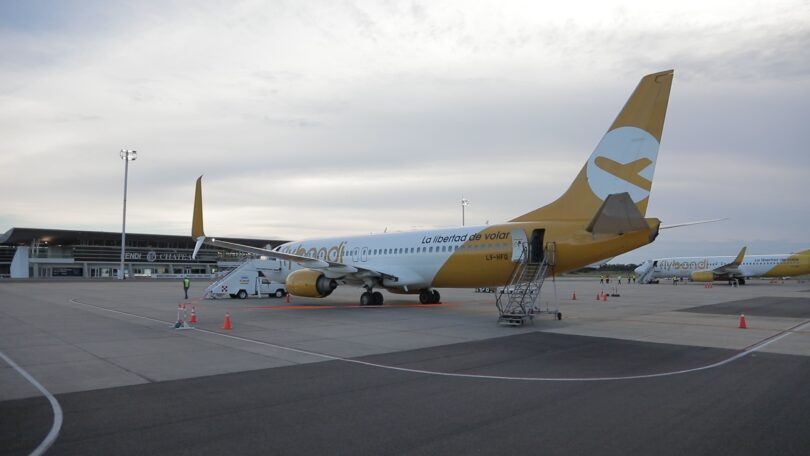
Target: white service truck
{"x":248,"y":279}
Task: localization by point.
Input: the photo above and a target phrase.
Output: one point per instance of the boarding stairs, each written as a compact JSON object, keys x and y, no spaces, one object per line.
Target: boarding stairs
{"x":646,"y":272}
{"x":215,"y":290}
{"x":517,"y":301}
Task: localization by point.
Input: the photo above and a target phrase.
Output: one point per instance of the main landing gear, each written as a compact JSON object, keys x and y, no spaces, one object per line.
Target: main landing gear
{"x":430,"y":297}
{"x":371,"y":298}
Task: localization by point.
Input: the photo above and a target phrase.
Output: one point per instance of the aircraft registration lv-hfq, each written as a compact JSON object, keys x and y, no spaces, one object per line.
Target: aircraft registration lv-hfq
{"x":601,"y":215}
{"x":711,"y":268}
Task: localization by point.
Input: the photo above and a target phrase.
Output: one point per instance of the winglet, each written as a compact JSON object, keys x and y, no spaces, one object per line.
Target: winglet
{"x":200,"y":242}
{"x":197,"y":221}
{"x":197,"y":231}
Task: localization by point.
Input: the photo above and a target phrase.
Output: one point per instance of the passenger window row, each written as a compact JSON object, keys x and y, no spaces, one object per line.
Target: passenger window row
{"x":422,"y":250}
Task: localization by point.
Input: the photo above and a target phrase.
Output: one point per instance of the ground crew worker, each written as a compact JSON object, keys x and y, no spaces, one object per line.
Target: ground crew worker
{"x":186,"y":285}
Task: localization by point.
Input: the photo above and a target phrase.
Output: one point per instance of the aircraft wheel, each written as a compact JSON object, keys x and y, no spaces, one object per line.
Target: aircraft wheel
{"x":242,"y":294}
{"x":425,"y":297}
{"x":378,"y":298}
{"x":437,"y":298}
{"x":366,"y":299}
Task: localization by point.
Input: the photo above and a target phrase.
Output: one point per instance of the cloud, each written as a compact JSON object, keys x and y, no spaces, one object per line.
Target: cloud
{"x":342,"y":117}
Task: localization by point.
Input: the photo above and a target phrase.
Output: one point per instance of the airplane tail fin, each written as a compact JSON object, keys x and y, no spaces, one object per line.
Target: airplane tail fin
{"x":740,"y":256}
{"x":197,"y":231}
{"x":623,"y":161}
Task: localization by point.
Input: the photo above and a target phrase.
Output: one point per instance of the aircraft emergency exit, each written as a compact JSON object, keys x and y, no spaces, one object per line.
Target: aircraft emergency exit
{"x":739,"y":268}
{"x":601,"y":215}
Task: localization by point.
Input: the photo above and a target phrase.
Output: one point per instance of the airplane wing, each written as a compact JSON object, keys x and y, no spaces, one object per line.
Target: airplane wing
{"x":331,"y":269}
{"x":678,"y":225}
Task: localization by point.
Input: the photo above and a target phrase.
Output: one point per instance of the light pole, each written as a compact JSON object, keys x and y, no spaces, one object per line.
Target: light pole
{"x":127,"y":156}
{"x":464,"y":203}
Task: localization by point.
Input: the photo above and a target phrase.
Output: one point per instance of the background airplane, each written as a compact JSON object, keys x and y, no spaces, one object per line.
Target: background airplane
{"x":601,"y":215}
{"x":710,"y":268}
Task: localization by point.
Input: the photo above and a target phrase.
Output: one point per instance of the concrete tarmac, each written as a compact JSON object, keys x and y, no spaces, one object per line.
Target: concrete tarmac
{"x":652,"y":370}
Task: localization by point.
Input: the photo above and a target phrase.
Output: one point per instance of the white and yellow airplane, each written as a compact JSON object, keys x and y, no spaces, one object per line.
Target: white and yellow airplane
{"x":711,"y":268}
{"x":601,"y":215}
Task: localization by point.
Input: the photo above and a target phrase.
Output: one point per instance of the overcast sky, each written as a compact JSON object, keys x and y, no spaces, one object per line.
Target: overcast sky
{"x":313,"y":118}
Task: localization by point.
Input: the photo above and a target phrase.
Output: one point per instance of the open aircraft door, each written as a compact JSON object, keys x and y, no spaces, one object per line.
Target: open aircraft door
{"x":520,"y":243}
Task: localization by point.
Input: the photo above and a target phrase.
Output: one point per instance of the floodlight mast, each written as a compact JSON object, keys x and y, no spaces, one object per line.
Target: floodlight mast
{"x":464,"y":203}
{"x":127,"y":156}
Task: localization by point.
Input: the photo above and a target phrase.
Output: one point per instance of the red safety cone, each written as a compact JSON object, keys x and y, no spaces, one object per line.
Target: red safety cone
{"x":743,"y":325}
{"x":574,"y":297}
{"x":227,"y":323}
{"x":193,"y":318}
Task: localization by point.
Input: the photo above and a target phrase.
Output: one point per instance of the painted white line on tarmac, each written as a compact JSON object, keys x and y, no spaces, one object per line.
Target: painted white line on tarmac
{"x":57,"y":410}
{"x":745,"y":352}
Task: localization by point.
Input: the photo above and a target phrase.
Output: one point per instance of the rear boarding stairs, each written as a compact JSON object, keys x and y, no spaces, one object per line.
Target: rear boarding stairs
{"x":517,"y":302}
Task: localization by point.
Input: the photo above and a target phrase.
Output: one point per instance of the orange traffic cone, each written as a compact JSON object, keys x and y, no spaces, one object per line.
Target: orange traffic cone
{"x":193,"y":318}
{"x":227,"y":323}
{"x":574,"y":297}
{"x":743,"y":325}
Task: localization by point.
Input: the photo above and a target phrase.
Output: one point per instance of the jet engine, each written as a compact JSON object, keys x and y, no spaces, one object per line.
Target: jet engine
{"x":310,"y":283}
{"x":702,"y":276}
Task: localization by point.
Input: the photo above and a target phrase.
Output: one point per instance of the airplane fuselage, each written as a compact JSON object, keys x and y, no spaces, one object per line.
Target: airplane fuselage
{"x":469,"y":256}
{"x":779,"y":265}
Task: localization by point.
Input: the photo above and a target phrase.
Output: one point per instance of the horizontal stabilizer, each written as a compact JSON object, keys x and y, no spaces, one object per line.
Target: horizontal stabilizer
{"x":617,"y":215}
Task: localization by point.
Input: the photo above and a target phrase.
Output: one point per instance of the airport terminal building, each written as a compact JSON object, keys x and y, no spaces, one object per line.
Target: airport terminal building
{"x":48,"y":253}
